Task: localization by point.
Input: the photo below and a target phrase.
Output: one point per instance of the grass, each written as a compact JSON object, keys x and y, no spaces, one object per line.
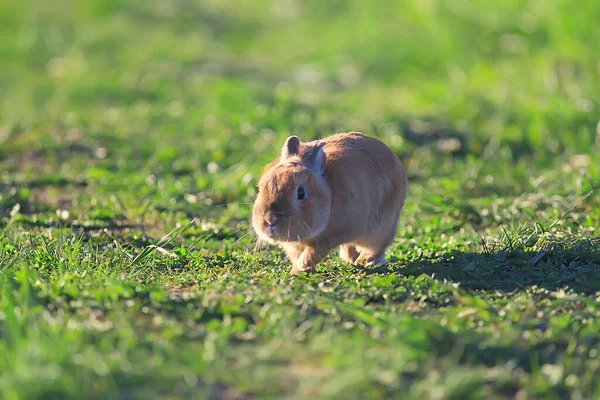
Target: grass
{"x":132,"y":135}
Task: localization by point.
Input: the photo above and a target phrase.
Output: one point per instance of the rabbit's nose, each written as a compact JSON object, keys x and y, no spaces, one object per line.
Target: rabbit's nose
{"x":272,"y":218}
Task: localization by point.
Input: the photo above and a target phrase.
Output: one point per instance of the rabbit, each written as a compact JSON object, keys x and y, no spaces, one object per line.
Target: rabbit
{"x":345,"y":191}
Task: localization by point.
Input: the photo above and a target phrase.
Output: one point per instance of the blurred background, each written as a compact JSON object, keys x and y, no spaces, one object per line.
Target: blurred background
{"x":130,"y":93}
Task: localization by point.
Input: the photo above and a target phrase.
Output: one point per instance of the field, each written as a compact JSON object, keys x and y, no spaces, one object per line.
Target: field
{"x":132,"y":136}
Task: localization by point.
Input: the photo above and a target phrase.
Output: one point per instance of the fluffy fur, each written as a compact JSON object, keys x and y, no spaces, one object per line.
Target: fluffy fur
{"x":354,"y":190}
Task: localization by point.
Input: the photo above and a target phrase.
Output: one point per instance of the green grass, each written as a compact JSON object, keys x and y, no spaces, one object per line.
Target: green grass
{"x":123,"y":121}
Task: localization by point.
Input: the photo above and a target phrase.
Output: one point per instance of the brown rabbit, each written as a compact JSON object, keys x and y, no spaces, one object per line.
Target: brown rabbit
{"x":344,"y":191}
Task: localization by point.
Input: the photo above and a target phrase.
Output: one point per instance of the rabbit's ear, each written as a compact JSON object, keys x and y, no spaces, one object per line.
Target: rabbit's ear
{"x":290,"y":148}
{"x":315,"y":158}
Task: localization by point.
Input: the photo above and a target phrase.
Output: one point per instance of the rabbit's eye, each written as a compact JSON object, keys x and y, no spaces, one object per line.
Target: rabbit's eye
{"x":301,"y":193}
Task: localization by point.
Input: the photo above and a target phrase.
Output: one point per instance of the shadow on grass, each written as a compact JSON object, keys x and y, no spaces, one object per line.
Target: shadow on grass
{"x":575,"y":267}
{"x":28,"y":196}
{"x":440,"y":136}
{"x":110,"y":225}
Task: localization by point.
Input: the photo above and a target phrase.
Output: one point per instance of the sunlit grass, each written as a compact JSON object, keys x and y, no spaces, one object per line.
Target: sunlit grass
{"x":132,"y":135}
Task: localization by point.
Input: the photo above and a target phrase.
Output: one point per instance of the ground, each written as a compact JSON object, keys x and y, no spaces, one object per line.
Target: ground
{"x":132,"y":135}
